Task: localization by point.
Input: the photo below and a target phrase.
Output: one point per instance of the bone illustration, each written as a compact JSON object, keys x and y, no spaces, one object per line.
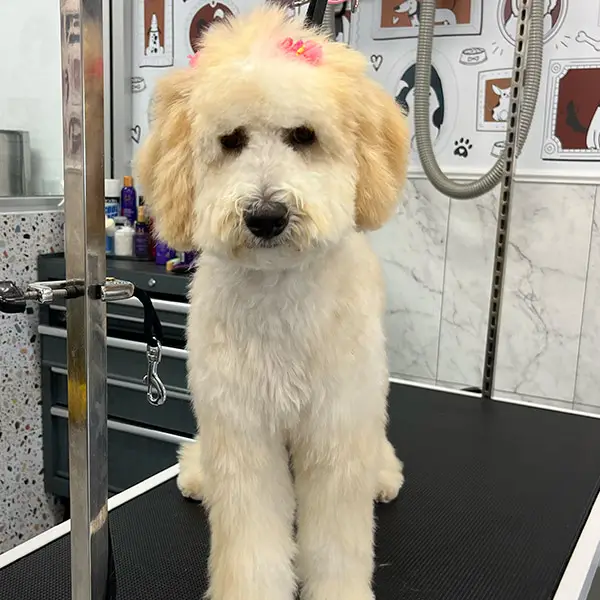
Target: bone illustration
{"x":583,"y":38}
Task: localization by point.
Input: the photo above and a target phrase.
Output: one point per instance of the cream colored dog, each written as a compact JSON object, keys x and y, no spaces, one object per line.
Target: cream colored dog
{"x":273,"y":163}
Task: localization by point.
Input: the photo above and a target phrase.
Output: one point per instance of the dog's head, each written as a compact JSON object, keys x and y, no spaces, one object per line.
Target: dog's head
{"x":261,"y":154}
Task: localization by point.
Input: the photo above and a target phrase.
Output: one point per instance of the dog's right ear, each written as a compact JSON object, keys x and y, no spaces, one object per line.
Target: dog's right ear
{"x":165,"y":163}
{"x":383,"y":145}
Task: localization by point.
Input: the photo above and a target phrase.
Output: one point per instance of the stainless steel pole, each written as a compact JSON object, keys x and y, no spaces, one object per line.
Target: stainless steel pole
{"x":83,"y":123}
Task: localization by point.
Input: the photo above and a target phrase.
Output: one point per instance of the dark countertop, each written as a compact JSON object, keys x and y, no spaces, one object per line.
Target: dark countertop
{"x":139,"y":272}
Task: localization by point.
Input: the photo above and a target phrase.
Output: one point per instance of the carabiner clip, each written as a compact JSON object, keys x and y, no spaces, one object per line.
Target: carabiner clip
{"x":157,"y":393}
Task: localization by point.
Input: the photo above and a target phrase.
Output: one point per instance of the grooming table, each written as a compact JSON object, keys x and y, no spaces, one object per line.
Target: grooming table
{"x":500,"y":503}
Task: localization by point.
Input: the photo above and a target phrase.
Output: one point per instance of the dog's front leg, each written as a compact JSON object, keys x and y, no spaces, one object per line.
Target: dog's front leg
{"x":335,"y":477}
{"x":249,"y":494}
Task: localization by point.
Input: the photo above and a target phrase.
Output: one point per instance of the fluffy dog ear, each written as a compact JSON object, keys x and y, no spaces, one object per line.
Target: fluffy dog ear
{"x":382,"y":154}
{"x":165,"y":163}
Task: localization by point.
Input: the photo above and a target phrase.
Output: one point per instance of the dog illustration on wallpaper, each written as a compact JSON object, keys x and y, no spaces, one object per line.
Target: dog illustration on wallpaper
{"x":405,"y":97}
{"x":578,"y":110}
{"x":154,"y":46}
{"x":510,"y":16}
{"x":412,"y":8}
{"x":500,"y":111}
{"x":156,"y":33}
{"x":572,"y":120}
{"x":206,"y":15}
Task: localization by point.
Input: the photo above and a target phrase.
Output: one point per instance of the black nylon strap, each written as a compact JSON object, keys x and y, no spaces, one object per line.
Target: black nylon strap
{"x":152,"y":333}
{"x":111,"y":575}
{"x":152,"y":327}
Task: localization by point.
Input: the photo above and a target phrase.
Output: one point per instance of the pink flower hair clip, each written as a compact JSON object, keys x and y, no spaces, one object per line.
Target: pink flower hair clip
{"x":309,"y":51}
{"x":193,"y":59}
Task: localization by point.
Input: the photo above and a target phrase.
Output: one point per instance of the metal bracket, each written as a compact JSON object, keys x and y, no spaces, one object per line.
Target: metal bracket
{"x":13,"y":300}
{"x":157,"y":393}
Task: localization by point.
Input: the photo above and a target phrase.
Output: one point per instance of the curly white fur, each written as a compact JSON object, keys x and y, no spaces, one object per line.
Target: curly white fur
{"x":286,"y":346}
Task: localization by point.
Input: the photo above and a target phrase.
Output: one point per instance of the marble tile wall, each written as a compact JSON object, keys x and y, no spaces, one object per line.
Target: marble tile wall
{"x":413,"y":247}
{"x":437,"y":255}
{"x":587,"y":387}
{"x":25,"y":509}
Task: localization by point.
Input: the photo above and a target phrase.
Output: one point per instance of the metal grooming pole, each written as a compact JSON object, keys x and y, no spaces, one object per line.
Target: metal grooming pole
{"x":83,"y":127}
{"x":503,"y":224}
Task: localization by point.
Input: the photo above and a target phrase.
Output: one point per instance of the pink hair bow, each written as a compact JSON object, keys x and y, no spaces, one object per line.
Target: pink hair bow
{"x":193,"y":58}
{"x":310,"y":51}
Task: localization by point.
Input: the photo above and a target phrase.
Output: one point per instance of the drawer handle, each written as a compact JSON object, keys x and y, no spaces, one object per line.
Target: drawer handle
{"x":162,"y":305}
{"x":113,"y":342}
{"x":128,"y":385}
{"x":153,"y":434}
{"x":119,"y":317}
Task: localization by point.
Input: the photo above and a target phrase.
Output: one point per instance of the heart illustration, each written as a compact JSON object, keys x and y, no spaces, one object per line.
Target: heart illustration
{"x":376,"y":61}
{"x":136,"y":134}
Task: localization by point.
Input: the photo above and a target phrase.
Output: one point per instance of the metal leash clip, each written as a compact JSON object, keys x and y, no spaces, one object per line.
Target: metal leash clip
{"x":157,"y":393}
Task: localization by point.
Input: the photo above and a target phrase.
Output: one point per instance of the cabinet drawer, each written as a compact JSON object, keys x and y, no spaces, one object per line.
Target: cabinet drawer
{"x":134,"y":453}
{"x":127,"y":402}
{"x":127,"y":317}
{"x":126,"y":359}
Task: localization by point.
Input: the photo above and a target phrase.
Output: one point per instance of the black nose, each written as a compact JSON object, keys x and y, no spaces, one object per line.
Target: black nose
{"x":267,"y":220}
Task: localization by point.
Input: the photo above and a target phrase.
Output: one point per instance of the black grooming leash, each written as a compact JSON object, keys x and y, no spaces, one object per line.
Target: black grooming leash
{"x":153,"y":336}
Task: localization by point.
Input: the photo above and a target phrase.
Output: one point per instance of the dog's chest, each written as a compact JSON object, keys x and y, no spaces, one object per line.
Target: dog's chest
{"x":264,"y":338}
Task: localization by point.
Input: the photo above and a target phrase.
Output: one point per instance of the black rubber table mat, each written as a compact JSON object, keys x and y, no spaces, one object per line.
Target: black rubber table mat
{"x":495,"y":499}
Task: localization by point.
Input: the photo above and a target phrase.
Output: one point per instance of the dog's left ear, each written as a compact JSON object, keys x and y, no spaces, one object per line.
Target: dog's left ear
{"x":382,"y":149}
{"x":165,"y":164}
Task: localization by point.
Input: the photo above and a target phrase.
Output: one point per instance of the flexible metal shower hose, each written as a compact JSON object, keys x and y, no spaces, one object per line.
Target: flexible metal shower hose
{"x":531,"y":86}
{"x":329,"y":21}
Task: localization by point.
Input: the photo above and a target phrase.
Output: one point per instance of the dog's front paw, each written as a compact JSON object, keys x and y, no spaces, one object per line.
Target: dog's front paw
{"x":389,"y":484}
{"x":337,"y":591}
{"x":391,"y":477}
{"x":190,"y":481}
{"x":190,"y":485}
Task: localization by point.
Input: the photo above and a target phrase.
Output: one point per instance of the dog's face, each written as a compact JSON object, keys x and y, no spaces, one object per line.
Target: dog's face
{"x":408,"y":6}
{"x":262,"y":156}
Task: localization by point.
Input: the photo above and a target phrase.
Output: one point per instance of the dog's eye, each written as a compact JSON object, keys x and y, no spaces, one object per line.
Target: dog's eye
{"x":301,"y":136}
{"x":234,"y":141}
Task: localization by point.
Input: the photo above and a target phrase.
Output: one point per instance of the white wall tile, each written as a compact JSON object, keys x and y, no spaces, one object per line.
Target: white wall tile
{"x":545,"y":283}
{"x":412,"y":248}
{"x":471,"y":235}
{"x":544,"y":288}
{"x":587,"y":389}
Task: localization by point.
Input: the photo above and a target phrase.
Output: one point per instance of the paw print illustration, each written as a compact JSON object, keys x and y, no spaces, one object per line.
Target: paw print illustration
{"x":462,"y":147}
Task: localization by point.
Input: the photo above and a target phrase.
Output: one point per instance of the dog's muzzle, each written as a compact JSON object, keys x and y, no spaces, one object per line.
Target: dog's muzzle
{"x":267,"y":220}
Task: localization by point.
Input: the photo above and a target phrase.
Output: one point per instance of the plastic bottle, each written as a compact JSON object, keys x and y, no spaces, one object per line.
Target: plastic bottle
{"x":141,"y":235}
{"x":151,"y":239}
{"x":163,"y":253}
{"x":124,"y":240}
{"x":128,"y":199}
{"x":112,"y":197}
{"x":109,"y":225}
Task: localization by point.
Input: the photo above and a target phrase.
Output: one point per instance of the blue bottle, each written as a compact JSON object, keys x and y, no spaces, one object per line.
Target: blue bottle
{"x":128,"y":200}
